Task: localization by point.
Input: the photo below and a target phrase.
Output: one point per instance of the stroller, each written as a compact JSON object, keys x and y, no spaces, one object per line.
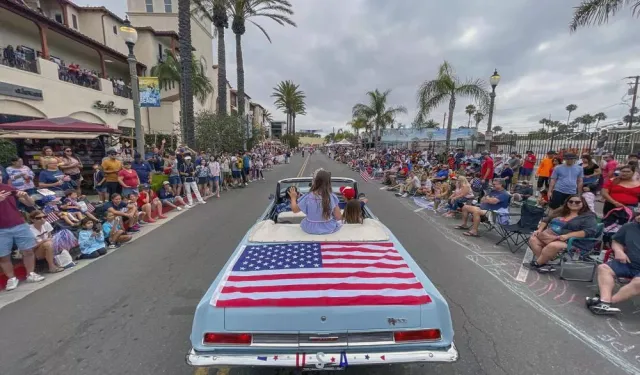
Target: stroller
{"x":613,"y":221}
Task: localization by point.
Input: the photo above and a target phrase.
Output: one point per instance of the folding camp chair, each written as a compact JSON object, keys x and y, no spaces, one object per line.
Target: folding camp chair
{"x":575,"y":256}
{"x":516,"y":235}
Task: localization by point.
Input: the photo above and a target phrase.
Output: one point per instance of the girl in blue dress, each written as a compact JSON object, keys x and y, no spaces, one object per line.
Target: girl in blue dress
{"x":320,"y":205}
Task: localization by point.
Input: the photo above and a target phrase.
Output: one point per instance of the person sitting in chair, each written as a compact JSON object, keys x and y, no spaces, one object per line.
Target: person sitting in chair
{"x":497,"y":199}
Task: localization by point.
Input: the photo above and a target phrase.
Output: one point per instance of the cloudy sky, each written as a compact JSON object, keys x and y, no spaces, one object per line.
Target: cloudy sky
{"x":342,"y":49}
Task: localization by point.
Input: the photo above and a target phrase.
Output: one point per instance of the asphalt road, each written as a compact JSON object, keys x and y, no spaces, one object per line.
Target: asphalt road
{"x":131,"y":312}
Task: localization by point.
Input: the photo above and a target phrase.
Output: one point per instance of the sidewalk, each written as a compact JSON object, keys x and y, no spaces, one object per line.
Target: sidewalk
{"x":24,"y":288}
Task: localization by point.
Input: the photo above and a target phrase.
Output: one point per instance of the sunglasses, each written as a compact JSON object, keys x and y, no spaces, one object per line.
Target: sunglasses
{"x":574,"y":202}
{"x":39,"y":218}
{"x":67,"y":150}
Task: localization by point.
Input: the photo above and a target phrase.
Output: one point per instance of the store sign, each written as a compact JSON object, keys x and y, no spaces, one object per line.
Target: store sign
{"x":110,"y":107}
{"x":20,"y":91}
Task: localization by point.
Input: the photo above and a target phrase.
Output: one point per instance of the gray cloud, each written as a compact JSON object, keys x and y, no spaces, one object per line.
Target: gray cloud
{"x":341,"y":49}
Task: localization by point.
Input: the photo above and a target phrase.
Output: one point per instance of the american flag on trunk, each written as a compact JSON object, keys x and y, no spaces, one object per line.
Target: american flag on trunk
{"x":319,"y":274}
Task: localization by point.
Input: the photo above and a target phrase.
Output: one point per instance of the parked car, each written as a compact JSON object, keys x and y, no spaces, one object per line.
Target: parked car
{"x":287,"y":299}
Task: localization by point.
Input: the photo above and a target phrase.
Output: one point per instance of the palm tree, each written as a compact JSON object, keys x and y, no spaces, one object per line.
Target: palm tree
{"x":357,"y":124}
{"x":267,"y":116}
{"x":168,"y":73}
{"x":216,"y":11}
{"x":432,"y":124}
{"x":591,"y":12}
{"x":600,"y":116}
{"x":570,"y":108}
{"x":186,"y":54}
{"x":244,"y":10}
{"x":470,"y":110}
{"x":497,"y":129}
{"x":290,"y":100}
{"x":478,"y":117}
{"x":544,"y":122}
{"x":376,"y":112}
{"x":446,"y":87}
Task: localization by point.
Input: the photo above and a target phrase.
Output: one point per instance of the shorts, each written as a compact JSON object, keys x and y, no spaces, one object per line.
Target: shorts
{"x":236,"y":174}
{"x":75,"y":177}
{"x":246,"y":171}
{"x":623,"y":269}
{"x":214,"y":178}
{"x":101,"y":189}
{"x":526,"y":171}
{"x":202,"y":180}
{"x":19,"y":235}
{"x":175,"y":180}
{"x":168,"y":200}
{"x":127,"y":191}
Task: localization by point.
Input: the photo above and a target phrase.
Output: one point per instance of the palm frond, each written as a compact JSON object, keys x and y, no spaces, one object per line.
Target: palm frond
{"x":597,"y":12}
{"x":475,"y":90}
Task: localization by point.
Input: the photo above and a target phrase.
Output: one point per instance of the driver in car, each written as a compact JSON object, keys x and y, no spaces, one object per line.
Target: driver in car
{"x":320,"y":205}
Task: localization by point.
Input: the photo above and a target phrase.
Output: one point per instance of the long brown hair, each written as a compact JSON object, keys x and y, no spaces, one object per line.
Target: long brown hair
{"x":353,"y":212}
{"x":322,"y":186}
{"x":564,"y":210}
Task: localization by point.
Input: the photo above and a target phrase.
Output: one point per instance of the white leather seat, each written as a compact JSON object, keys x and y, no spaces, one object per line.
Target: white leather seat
{"x":288,"y":217}
{"x":268,"y":231}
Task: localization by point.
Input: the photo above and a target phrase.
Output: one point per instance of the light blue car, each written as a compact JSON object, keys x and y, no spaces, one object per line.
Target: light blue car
{"x":287,"y":299}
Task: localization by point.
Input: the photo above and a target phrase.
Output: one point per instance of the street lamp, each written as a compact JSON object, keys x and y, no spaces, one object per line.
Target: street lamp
{"x":493,"y":80}
{"x":130,"y":37}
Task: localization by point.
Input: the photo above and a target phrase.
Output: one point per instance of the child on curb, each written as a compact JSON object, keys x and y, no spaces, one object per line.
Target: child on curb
{"x":91,"y":240}
{"x":114,"y":231}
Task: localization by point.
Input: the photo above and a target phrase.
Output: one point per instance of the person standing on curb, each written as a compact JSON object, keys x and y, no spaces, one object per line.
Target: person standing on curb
{"x":566,"y":180}
{"x":14,"y":230}
{"x":188,"y":171}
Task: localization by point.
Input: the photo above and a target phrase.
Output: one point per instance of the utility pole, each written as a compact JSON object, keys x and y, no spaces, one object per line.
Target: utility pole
{"x":633,"y":101}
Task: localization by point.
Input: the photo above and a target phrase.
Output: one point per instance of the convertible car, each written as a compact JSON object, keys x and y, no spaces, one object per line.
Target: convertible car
{"x":287,"y":299}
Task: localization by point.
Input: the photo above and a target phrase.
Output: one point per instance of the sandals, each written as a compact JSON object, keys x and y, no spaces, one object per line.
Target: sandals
{"x":461,"y":227}
{"x":469,"y":234}
{"x":56,"y":270}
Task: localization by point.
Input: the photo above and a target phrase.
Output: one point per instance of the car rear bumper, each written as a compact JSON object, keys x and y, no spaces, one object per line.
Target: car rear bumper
{"x":321,"y":360}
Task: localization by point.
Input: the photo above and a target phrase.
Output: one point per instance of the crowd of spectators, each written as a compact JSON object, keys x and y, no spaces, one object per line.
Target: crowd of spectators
{"x":582,"y":198}
{"x":44,"y":217}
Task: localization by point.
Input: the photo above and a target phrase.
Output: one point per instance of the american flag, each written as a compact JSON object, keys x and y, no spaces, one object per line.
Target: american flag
{"x":51,"y":217}
{"x":365,"y":175}
{"x":319,"y":274}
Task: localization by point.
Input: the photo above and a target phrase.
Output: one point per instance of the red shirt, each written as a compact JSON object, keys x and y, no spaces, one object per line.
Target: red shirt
{"x":529,"y":161}
{"x":129,"y":177}
{"x":487,"y":167}
{"x":143,"y":196}
{"x":9,"y":214}
{"x":624,"y":195}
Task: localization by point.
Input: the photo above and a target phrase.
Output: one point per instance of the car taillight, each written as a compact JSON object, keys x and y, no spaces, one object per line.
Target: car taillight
{"x":422,"y":335}
{"x":227,"y":338}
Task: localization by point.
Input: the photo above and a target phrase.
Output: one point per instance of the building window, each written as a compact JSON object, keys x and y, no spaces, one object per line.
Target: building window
{"x":149,"y":5}
{"x":74,"y":19}
{"x":58,"y":18}
{"x":160,"y":55}
{"x":167,"y":6}
{"x":115,"y":29}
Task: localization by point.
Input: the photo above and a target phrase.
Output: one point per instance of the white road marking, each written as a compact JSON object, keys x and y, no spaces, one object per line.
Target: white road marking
{"x":418,"y":209}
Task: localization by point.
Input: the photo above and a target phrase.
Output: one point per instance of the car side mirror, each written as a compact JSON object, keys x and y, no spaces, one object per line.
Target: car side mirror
{"x":272,"y":196}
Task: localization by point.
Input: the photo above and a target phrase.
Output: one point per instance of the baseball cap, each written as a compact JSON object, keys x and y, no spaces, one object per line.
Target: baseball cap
{"x":570,"y":156}
{"x":347,"y":192}
{"x":166,"y":183}
{"x":187,"y":157}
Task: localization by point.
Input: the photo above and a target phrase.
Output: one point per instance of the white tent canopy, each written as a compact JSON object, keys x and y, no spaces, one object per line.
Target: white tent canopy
{"x":344,"y":142}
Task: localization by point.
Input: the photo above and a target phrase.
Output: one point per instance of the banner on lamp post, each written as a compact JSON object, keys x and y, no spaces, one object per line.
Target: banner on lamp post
{"x":149,"y":91}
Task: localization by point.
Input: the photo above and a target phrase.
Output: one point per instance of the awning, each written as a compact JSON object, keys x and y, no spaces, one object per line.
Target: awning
{"x":61,"y":124}
{"x":49,"y":135}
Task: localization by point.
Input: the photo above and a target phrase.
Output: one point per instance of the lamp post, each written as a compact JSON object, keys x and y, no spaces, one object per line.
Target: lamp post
{"x":130,"y":37}
{"x":493,"y":80}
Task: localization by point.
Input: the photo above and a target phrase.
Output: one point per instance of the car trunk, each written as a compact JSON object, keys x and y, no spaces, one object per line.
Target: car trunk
{"x":322,"y":319}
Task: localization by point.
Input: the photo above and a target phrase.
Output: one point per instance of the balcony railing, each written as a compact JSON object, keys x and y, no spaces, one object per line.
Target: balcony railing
{"x":79,"y":77}
{"x":122,"y":90}
{"x":13,"y":61}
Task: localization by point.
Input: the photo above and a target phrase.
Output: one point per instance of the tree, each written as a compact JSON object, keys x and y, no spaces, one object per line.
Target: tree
{"x":290,"y":100}
{"x":376,"y":111}
{"x":168,"y":73}
{"x":432,"y":124}
{"x":570,"y":108}
{"x":446,"y":87}
{"x":544,"y":122}
{"x":267,"y":116}
{"x":497,"y":129}
{"x":478,"y":117}
{"x":357,"y":124}
{"x":220,"y":132}
{"x":470,"y":110}
{"x":586,"y":121}
{"x":242,"y":11}
{"x":186,"y":98}
{"x":600,"y":116}
{"x":597,"y":12}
